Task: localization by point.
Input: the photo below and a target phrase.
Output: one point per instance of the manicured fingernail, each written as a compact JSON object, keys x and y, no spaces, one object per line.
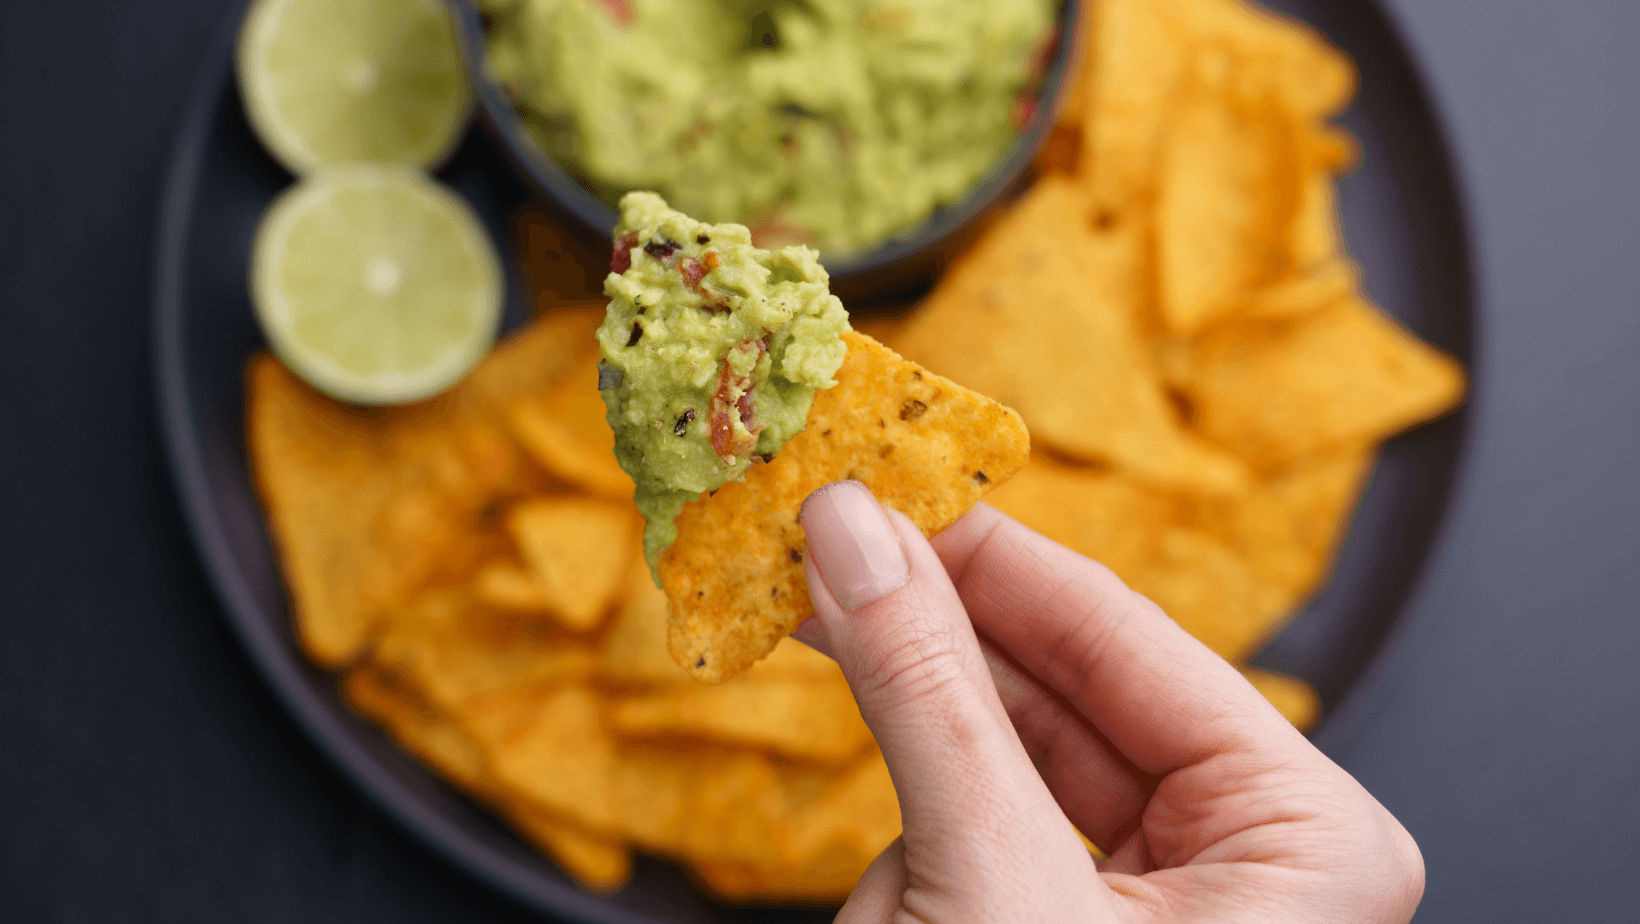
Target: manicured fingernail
{"x":853,"y":545}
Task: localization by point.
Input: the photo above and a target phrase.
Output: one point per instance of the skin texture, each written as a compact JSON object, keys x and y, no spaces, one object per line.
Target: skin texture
{"x":1018,"y":688}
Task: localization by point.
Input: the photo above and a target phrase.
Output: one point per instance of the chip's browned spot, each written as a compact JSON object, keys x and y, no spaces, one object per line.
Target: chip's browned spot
{"x":924,"y":445}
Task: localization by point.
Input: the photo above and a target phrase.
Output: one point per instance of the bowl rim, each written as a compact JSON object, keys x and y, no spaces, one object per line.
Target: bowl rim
{"x":542,"y":175}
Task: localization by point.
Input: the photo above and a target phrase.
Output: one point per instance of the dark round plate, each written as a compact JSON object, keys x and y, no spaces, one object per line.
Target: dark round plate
{"x":1402,"y":218}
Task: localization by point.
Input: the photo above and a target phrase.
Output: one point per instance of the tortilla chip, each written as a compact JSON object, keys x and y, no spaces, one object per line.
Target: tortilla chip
{"x":1287,"y":528}
{"x":1105,"y":516}
{"x":1144,"y":51}
{"x":578,"y":550}
{"x":506,"y":586}
{"x":1197,"y":578}
{"x":456,"y":651}
{"x":1209,"y":590}
{"x":1302,"y":292}
{"x":634,"y":650}
{"x":829,"y":843}
{"x":1226,"y":190}
{"x":801,"y":718}
{"x":1043,"y":315}
{"x":1313,"y":237}
{"x":441,"y":743}
{"x":853,"y":820}
{"x":793,"y":660}
{"x":701,"y":803}
{"x":1139,"y":60}
{"x":1345,"y":375}
{"x":1268,"y":52}
{"x":565,"y":432}
{"x":551,"y":747}
{"x":365,"y":506}
{"x":598,"y":863}
{"x":924,"y":445}
{"x":1296,"y":700}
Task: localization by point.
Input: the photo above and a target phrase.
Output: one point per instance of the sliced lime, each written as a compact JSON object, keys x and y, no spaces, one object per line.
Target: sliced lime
{"x":375,"y":284}
{"x":334,"y":81}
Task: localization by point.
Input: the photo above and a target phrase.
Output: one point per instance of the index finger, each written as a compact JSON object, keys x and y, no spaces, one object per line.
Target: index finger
{"x":1161,"y":697}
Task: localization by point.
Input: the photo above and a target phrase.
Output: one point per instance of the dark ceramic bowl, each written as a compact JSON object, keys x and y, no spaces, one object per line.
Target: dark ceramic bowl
{"x":893,"y":269}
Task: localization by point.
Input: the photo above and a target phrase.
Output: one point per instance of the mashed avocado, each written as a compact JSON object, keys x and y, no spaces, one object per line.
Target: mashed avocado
{"x":837,"y":123}
{"x":712,"y":351}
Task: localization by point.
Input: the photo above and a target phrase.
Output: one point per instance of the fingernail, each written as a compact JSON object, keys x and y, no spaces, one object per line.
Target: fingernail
{"x":853,"y":545}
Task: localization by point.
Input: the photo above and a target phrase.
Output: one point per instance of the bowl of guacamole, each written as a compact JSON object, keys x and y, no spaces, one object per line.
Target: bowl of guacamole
{"x":874,"y":131}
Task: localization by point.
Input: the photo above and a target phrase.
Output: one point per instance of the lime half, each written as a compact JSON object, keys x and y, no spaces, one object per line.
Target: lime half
{"x":375,"y":284}
{"x":335,"y":81}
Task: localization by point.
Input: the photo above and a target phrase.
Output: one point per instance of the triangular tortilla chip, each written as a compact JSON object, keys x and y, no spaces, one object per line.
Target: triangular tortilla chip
{"x":598,"y":862}
{"x":1144,"y":51}
{"x":552,"y":748}
{"x":578,"y":549}
{"x":366,"y":505}
{"x":924,"y":445}
{"x":566,"y":433}
{"x":700,"y":802}
{"x":1346,"y":375}
{"x":1106,"y":516}
{"x":455,"y":651}
{"x":1226,"y":191}
{"x":1286,"y":528}
{"x":1263,"y":51}
{"x":829,"y":843}
{"x":807,"y":719}
{"x":1208,"y":589}
{"x":1197,"y":578}
{"x":633,"y":653}
{"x":1044,"y":316}
{"x":440,"y":742}
{"x":1138,"y":58}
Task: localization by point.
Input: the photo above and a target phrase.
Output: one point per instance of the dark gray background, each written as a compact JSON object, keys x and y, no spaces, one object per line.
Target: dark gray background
{"x":146,"y":774}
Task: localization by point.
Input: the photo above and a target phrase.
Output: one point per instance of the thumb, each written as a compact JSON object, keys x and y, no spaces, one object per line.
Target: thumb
{"x":984,"y":839}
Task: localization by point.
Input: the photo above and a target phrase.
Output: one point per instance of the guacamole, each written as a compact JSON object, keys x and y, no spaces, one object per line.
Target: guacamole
{"x":837,"y":123}
{"x":712,"y":349}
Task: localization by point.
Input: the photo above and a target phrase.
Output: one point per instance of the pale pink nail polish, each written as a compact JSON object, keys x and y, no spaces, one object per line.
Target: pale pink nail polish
{"x":853,"y":544}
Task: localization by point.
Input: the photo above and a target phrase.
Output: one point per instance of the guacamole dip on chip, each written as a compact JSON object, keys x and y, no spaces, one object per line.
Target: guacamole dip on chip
{"x":837,"y":123}
{"x":713,"y":349}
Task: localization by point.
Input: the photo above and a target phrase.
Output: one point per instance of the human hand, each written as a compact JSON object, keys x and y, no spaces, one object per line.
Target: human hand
{"x":1076,"y":702}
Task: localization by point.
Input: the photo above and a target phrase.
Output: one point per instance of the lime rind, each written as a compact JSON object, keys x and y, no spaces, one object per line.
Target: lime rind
{"x":375,"y":284}
{"x":338,"y":81}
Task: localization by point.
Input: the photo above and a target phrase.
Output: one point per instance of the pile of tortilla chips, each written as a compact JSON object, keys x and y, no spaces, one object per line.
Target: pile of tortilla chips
{"x":1170,"y":310}
{"x":474,"y":564}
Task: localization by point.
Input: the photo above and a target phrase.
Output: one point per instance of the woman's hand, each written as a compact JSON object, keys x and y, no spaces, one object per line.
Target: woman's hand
{"x":1018,"y":689}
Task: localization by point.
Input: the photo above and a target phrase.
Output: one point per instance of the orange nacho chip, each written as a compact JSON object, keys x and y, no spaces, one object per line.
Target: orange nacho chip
{"x":924,"y":445}
{"x":597,"y":862}
{"x":1044,"y":316}
{"x":578,"y":550}
{"x":566,"y":433}
{"x":808,"y":719}
{"x":455,"y":651}
{"x":550,"y":746}
{"x":366,"y":506}
{"x":1344,"y":375}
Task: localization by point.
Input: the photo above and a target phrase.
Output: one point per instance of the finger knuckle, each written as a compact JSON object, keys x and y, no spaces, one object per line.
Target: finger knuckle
{"x":918,"y":662}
